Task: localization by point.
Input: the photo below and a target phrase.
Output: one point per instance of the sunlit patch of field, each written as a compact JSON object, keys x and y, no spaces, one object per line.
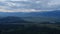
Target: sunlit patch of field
{"x":41,"y":19}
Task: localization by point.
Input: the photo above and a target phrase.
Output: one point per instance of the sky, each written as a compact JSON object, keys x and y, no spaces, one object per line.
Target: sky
{"x":29,"y":5}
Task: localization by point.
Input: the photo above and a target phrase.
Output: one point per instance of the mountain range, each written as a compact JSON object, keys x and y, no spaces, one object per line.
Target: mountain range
{"x":32,"y":14}
{"x":47,"y":16}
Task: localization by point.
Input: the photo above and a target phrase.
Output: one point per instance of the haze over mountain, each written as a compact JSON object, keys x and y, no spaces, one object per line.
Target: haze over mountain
{"x":55,"y":13}
{"x":30,"y":8}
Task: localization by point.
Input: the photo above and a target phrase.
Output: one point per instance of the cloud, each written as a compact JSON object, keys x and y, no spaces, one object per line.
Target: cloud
{"x":19,"y":0}
{"x":18,"y":5}
{"x":54,"y":3}
{"x":3,"y":9}
{"x":2,"y":0}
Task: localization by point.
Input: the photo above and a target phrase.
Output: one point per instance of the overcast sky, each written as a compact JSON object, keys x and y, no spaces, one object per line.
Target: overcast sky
{"x":29,"y":5}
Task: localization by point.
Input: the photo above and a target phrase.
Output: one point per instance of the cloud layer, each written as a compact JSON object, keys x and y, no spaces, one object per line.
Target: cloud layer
{"x":29,"y":5}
